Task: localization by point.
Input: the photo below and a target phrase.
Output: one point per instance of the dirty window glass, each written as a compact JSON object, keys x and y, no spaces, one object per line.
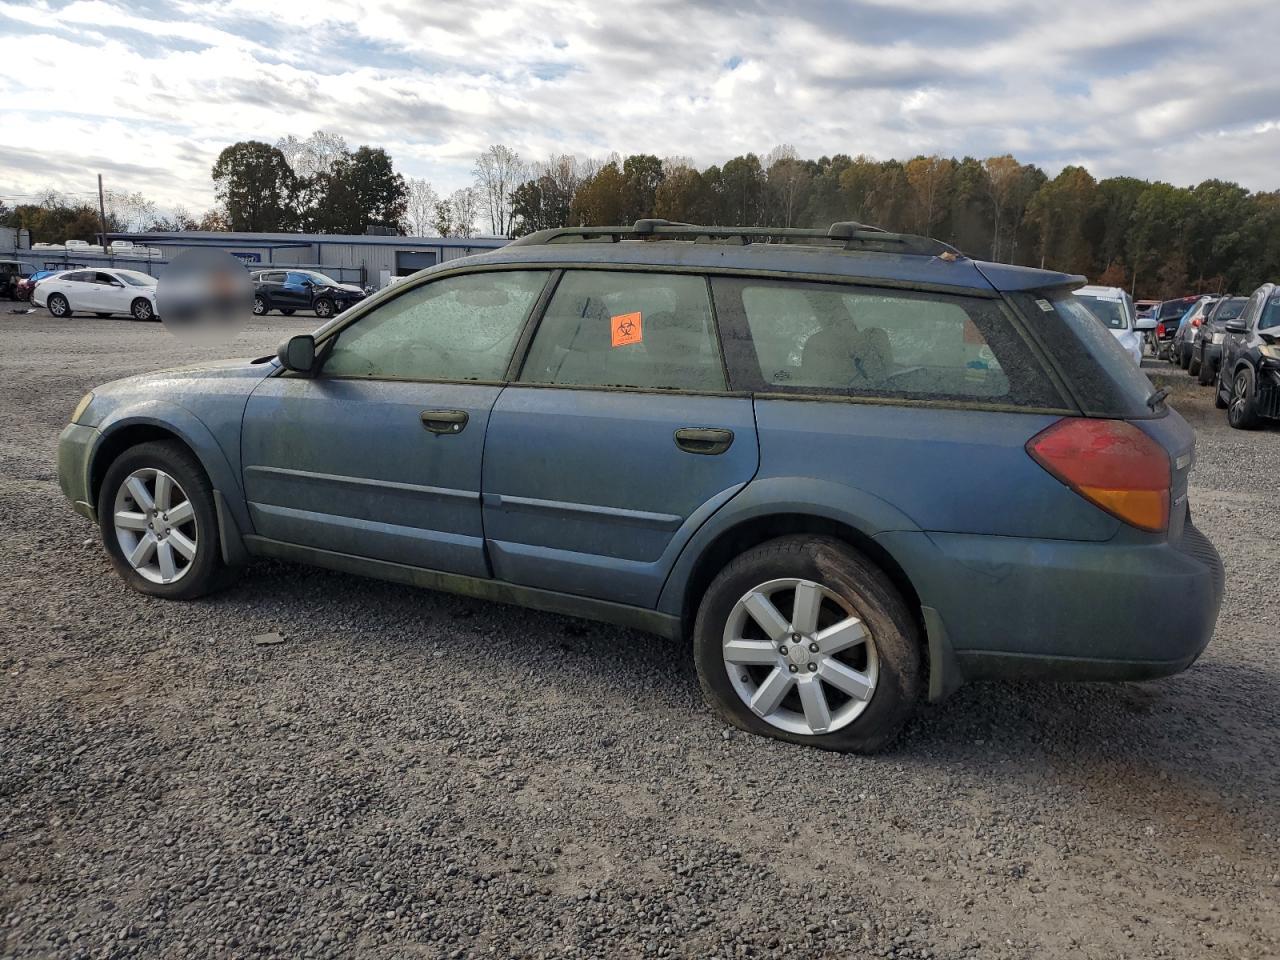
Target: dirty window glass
{"x":1270,"y":314}
{"x":826,"y":337}
{"x":613,"y":329}
{"x":458,"y":328}
{"x":1111,"y":311}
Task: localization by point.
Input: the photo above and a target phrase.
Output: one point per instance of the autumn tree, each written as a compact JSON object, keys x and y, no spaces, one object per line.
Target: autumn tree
{"x":420,"y":207}
{"x":930,"y":181}
{"x":1001,"y":178}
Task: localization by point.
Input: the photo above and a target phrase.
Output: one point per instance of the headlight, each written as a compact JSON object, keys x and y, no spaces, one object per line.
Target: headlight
{"x":81,"y":407}
{"x":1270,"y":351}
{"x":1219,"y":337}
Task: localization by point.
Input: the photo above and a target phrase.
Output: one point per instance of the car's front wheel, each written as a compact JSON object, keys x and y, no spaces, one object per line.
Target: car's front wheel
{"x":1242,"y":410}
{"x":805,"y":640}
{"x":324,"y":308}
{"x":142,"y":309}
{"x":158,"y":522}
{"x":58,"y":306}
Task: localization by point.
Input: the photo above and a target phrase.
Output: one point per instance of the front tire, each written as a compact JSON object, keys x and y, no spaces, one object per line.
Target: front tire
{"x":158,"y":522}
{"x":141,"y":310}
{"x":324,"y":308}
{"x":1242,"y":408}
{"x":58,"y":306}
{"x":805,"y":640}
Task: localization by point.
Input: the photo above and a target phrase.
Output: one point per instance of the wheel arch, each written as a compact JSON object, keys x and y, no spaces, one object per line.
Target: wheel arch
{"x":157,"y":421}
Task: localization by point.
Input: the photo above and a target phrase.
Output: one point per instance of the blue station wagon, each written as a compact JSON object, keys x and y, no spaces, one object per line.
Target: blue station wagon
{"x":854,"y":469}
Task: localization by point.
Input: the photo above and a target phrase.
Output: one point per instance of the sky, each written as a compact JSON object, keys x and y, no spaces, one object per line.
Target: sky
{"x":147,"y":92}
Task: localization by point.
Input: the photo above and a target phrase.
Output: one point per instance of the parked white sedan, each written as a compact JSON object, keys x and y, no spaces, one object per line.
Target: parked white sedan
{"x":105,"y":293}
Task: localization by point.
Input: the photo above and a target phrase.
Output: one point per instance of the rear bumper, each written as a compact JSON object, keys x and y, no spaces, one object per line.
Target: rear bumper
{"x":1065,"y":610}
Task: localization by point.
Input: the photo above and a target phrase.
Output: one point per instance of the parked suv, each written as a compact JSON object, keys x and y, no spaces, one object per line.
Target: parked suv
{"x":1169,"y":315}
{"x":1206,"y":351}
{"x":291,"y":290}
{"x":854,"y":468}
{"x":1249,"y":374}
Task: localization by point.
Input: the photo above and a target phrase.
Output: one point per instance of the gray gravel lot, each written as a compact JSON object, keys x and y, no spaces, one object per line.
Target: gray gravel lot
{"x":417,"y":775}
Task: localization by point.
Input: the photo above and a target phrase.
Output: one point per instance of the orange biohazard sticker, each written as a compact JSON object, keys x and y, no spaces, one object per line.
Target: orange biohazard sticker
{"x":626,"y":328}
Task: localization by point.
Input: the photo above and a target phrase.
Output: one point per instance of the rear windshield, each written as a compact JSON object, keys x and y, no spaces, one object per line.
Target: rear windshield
{"x":1229,"y":309}
{"x":1174,"y":308}
{"x":1111,"y":312}
{"x":1100,"y":372}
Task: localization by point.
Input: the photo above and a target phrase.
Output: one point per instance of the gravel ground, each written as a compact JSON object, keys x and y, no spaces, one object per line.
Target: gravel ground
{"x":413,"y":774}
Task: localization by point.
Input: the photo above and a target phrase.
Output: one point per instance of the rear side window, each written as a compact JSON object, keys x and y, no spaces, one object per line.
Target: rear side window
{"x":1270,"y":314}
{"x":823,"y":338}
{"x":607,"y":328}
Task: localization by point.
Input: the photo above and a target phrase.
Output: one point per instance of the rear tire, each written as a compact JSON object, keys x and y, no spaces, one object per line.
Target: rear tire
{"x":121,"y":516}
{"x":58,"y":306}
{"x":1207,"y":374}
{"x":1193,"y":368}
{"x":821,"y":591}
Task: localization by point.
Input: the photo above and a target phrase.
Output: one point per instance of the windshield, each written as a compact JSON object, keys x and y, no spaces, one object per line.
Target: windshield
{"x":135,"y":279}
{"x":320,"y":279}
{"x":1111,"y":312}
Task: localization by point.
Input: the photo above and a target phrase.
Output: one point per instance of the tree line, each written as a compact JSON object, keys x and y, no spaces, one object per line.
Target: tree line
{"x":1153,"y":238}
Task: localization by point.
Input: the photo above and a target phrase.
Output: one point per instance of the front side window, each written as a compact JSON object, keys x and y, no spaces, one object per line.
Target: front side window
{"x":622,"y":329}
{"x":830,"y":338}
{"x":456,"y":328}
{"x":1270,"y":314}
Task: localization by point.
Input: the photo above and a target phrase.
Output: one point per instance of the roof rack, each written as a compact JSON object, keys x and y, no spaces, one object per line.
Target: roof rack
{"x":848,"y":234}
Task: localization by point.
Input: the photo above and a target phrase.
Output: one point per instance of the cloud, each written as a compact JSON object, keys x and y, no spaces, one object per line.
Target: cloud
{"x":149,"y":93}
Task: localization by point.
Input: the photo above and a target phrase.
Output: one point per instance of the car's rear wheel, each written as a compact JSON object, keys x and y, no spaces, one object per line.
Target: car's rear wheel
{"x":58,"y":306}
{"x":1193,"y":367}
{"x":803,"y":639}
{"x":1207,"y":375}
{"x":141,"y":309}
{"x":158,"y":522}
{"x":324,"y":308}
{"x":1242,"y":410}
{"x":259,"y":306}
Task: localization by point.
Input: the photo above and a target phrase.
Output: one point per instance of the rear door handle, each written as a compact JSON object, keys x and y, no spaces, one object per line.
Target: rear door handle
{"x":704,"y":440}
{"x":445,"y":421}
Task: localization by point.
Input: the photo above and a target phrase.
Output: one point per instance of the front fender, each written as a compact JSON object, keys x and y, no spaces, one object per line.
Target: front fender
{"x":773,"y":496}
{"x":191,"y":430}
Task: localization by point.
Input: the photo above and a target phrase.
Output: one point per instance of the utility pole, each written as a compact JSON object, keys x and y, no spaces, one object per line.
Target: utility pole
{"x":102,"y":213}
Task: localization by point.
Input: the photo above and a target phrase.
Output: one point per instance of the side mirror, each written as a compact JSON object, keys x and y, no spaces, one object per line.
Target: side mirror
{"x":1145,"y":323}
{"x":1236,"y":326}
{"x":298,"y":353}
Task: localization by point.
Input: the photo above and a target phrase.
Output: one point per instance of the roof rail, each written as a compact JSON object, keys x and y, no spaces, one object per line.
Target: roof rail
{"x":848,"y":234}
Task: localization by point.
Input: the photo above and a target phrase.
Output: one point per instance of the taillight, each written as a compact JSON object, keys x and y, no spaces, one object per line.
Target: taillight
{"x":1195,"y":322}
{"x":1110,"y":463}
{"x":1159,"y":329}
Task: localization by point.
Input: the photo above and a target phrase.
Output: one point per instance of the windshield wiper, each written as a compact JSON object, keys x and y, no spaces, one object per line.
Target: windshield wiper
{"x":1157,"y":397}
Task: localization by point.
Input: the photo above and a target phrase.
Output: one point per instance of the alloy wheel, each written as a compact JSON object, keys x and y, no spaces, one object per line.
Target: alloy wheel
{"x":141,"y":310}
{"x":155,"y":525}
{"x":800,"y":657}
{"x":1239,"y":394}
{"x":259,"y":306}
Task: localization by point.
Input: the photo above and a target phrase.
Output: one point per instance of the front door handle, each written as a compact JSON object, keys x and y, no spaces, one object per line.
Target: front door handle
{"x":704,"y":440}
{"x":445,"y":421}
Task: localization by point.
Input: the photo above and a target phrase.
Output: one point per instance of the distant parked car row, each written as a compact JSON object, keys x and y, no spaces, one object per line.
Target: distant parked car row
{"x":1233,"y":343}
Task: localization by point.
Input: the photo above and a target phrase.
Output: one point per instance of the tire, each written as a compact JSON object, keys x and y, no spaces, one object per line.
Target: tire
{"x":288,"y":313}
{"x":1242,"y":406}
{"x":1193,"y":367}
{"x":1206,"y":375}
{"x":324,"y":308}
{"x":141,"y":310}
{"x":1184,"y":356}
{"x":196,"y":576}
{"x":848,"y":585}
{"x":1218,"y":388}
{"x":58,"y":306}
{"x":260,"y":307}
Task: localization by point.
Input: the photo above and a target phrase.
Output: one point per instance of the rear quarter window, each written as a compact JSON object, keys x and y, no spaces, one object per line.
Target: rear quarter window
{"x":844,"y":340}
{"x":1101,"y":375}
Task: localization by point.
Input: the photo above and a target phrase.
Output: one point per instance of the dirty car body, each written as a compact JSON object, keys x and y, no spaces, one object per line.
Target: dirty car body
{"x":686,"y":432}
